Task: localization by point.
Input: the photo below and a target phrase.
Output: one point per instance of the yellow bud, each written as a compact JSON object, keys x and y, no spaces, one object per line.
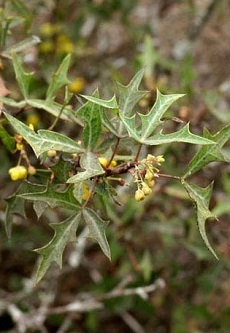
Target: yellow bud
{"x":146,"y":189}
{"x":150,"y":183}
{"x":149,"y":175}
{"x":103,"y":160}
{"x":31,"y":127}
{"x":51,"y":153}
{"x":139,"y":195}
{"x":22,"y":172}
{"x":31,"y":170}
{"x":160,"y":159}
{"x":19,"y":146}
{"x":14,"y":174}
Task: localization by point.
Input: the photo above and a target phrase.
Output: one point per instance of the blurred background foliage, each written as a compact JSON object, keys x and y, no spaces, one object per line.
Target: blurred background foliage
{"x":183,"y":51}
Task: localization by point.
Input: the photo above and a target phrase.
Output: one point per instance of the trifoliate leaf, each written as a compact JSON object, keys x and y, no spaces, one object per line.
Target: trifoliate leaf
{"x":64,"y":233}
{"x":45,"y":140}
{"x":201,"y":197}
{"x":97,"y":229}
{"x":92,"y":166}
{"x":209,"y":153}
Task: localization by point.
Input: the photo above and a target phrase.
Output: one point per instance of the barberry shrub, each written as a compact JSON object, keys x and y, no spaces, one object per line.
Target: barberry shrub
{"x":76,"y":171}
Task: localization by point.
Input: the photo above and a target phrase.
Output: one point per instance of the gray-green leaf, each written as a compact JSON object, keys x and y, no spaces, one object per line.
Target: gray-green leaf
{"x":59,"y":78}
{"x":64,"y":233}
{"x":201,"y":197}
{"x":97,"y":229}
{"x":92,"y":166}
{"x":209,"y":153}
{"x":45,"y":140}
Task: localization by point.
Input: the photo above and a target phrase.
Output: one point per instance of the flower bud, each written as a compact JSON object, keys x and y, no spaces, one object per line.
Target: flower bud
{"x":31,"y":170}
{"x":146,"y":189}
{"x":139,"y":195}
{"x":51,"y":153}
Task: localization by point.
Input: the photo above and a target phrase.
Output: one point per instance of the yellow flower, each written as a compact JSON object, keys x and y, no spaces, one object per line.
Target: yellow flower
{"x":104,"y":162}
{"x":77,"y":85}
{"x":18,"y":172}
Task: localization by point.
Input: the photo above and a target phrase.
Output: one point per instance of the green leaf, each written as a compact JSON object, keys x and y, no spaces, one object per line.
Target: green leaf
{"x":53,"y":198}
{"x":59,"y":79}
{"x":54,"y":108}
{"x":152,"y":120}
{"x":201,"y":197}
{"x":23,"y":10}
{"x":129,"y":95}
{"x":110,"y":104}
{"x":7,"y":139}
{"x":91,"y":116}
{"x":209,"y":153}
{"x":183,"y":135}
{"x":22,"y":77}
{"x":44,"y":140}
{"x":97,"y":229}
{"x":64,"y":233}
{"x":92,"y":166}
{"x":15,"y":204}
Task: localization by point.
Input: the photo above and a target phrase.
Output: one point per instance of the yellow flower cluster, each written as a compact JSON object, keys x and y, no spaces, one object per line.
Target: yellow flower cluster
{"x":104,"y":162}
{"x":146,"y":184}
{"x":55,"y":40}
{"x":20,"y":172}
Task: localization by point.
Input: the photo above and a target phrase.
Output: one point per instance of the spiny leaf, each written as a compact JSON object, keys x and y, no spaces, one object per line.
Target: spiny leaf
{"x":92,"y":167}
{"x":59,"y":79}
{"x":110,"y":104}
{"x":201,"y":197}
{"x":183,"y":135}
{"x":151,"y":120}
{"x":44,"y":140}
{"x":129,"y":95}
{"x":22,"y":77}
{"x":97,"y":229}
{"x":210,"y":153}
{"x":53,"y":198}
{"x":91,"y":115}
{"x":64,"y":233}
